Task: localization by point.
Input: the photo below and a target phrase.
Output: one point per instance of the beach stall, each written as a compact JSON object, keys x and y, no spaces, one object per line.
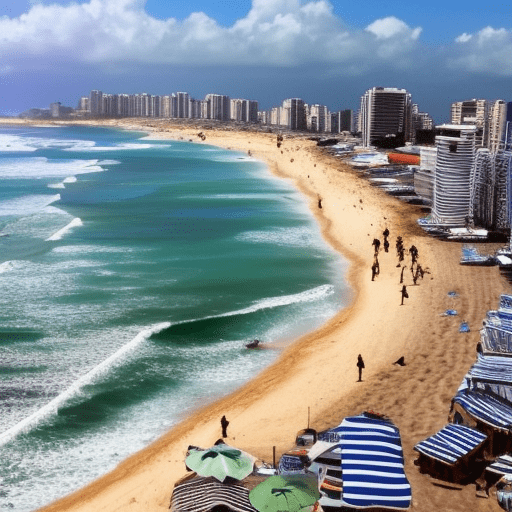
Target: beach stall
{"x":496,"y":334}
{"x":491,"y":374}
{"x":489,"y":415}
{"x":361,"y":465}
{"x":451,"y":453}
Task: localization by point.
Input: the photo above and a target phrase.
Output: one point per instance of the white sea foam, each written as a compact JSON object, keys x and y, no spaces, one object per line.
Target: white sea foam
{"x":90,"y":146}
{"x":41,"y":167}
{"x":312,"y":295}
{"x":75,"y":389}
{"x":297,"y":237}
{"x":56,"y":185}
{"x":14,"y":143}
{"x":26,"y":205}
{"x":70,"y":179}
{"x":59,"y":234}
{"x":6,"y":266}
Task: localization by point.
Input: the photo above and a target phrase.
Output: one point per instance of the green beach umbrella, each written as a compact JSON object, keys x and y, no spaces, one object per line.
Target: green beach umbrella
{"x":221,"y":461}
{"x":285,"y":493}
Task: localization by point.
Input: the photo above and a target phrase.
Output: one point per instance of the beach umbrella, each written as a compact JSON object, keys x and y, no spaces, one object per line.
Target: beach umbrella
{"x":221,"y":461}
{"x":285,"y":493}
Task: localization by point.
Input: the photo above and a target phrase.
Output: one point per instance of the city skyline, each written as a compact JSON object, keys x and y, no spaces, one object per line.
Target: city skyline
{"x":325,"y":52}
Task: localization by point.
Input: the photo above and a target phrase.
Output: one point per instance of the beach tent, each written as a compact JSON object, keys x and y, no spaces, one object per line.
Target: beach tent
{"x":450,"y":453}
{"x":372,"y":464}
{"x":198,"y":494}
{"x":488,"y":414}
{"x":366,"y":452}
{"x":491,"y":374}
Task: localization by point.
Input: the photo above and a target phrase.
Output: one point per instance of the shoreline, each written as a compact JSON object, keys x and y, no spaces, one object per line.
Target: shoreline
{"x":319,"y":370}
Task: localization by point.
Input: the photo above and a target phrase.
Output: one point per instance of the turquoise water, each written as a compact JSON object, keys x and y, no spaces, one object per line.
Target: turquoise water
{"x":132,"y":273}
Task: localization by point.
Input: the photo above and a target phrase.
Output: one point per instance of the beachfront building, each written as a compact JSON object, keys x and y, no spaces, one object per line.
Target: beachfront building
{"x":451,"y":204}
{"x":217,"y":107}
{"x":500,"y":125}
{"x":318,"y":118}
{"x":489,"y":189}
{"x":294,"y":115}
{"x":245,"y":111}
{"x":424,"y":176}
{"x":386,"y":115}
{"x":96,"y":103}
{"x":473,"y":112}
{"x":182,"y":105}
{"x":342,"y":121}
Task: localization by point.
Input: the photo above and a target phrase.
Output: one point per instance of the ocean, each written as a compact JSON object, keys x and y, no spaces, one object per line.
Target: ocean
{"x":132,"y":273}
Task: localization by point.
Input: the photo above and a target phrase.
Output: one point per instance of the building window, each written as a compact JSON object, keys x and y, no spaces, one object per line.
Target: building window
{"x":453,"y":147}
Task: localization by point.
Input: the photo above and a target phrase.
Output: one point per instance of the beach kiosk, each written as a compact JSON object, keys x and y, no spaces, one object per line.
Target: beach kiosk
{"x":496,"y":334}
{"x":451,"y":454}
{"x":360,"y":466}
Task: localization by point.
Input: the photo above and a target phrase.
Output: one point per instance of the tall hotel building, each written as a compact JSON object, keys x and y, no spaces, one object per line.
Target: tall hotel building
{"x":218,"y":107}
{"x":453,"y":178}
{"x":96,"y":103}
{"x":296,"y":114}
{"x":386,"y":112}
{"x":500,"y":126}
{"x":473,"y":112}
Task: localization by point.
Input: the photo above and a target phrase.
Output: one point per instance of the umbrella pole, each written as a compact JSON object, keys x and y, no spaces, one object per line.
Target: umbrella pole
{"x":274,"y":456}
{"x":308,"y":417}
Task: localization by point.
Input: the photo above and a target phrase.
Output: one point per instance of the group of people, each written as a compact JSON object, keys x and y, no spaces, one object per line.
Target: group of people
{"x":416,"y":269}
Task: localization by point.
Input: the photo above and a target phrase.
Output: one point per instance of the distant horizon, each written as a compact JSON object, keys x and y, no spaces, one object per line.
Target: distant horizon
{"x":323,"y":51}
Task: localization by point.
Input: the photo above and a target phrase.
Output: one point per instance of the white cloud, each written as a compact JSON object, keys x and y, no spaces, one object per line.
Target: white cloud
{"x":386,"y":28}
{"x":274,"y":32}
{"x":464,"y":38}
{"x":487,"y":51}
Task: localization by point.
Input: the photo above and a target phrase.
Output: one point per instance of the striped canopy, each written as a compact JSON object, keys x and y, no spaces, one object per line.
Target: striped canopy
{"x":486,"y":409}
{"x":200,"y":494}
{"x":502,"y":465}
{"x":492,"y":369}
{"x":451,"y":443}
{"x":372,"y":464}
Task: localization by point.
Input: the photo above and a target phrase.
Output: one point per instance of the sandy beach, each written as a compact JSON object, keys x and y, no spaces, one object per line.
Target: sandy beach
{"x":319,"y":370}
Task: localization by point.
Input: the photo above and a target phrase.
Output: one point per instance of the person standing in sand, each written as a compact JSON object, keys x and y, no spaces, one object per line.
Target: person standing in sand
{"x":224,"y":424}
{"x":360,"y":366}
{"x":405,"y":295}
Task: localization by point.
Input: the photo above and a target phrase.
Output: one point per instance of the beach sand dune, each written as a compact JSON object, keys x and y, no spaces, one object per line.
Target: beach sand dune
{"x":319,"y":371}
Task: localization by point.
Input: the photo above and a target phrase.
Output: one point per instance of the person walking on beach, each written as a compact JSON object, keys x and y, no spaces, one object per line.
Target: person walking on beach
{"x":376,"y":243}
{"x":374,"y":270}
{"x":224,"y":424}
{"x":360,"y":366}
{"x":405,"y":295}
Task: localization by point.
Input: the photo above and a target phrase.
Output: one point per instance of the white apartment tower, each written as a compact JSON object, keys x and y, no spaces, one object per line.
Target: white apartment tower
{"x":497,"y":125}
{"x":453,"y":178}
{"x":386,"y":112}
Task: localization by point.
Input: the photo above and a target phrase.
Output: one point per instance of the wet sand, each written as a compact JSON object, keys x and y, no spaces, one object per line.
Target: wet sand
{"x":319,"y":370}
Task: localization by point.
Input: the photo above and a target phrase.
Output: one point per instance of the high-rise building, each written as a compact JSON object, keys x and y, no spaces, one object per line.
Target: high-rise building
{"x":218,"y":107}
{"x":318,"y":118}
{"x":453,"y":180}
{"x":342,"y":121}
{"x":295,"y":113}
{"x":96,"y":103}
{"x":473,"y":112}
{"x":182,"y":105}
{"x":490,"y":189}
{"x":500,"y":126}
{"x":386,"y":113}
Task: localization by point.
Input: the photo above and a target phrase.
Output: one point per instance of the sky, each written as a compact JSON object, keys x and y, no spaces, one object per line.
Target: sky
{"x":323,"y":51}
